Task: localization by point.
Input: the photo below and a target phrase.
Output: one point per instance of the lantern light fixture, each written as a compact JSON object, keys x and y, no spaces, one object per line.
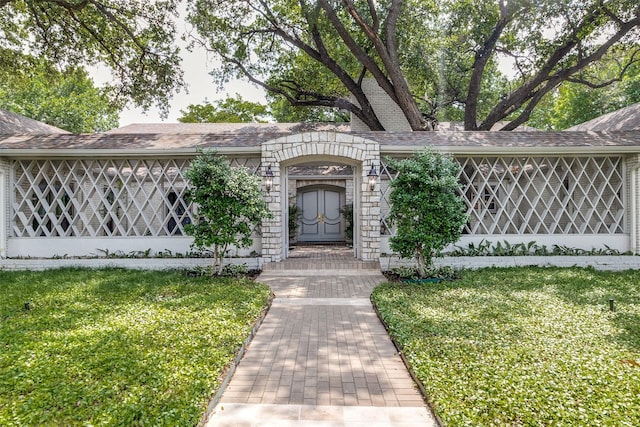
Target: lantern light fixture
{"x":373,"y":177}
{"x":268,"y":179}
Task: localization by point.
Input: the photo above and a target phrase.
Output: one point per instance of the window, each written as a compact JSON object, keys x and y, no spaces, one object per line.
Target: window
{"x":489,"y":197}
{"x":177,"y":213}
{"x":51,"y":201}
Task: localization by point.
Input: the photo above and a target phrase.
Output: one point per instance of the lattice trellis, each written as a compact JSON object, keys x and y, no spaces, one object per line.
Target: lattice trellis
{"x":110,"y":197}
{"x":535,"y":195}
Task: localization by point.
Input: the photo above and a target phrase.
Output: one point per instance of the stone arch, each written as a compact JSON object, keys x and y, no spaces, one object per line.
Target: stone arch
{"x":359,"y":152}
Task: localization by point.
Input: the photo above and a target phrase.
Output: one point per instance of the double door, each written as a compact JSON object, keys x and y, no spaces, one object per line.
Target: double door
{"x":321,"y":220}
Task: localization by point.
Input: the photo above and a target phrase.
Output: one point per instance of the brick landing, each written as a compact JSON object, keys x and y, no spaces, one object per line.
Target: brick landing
{"x":321,"y":356}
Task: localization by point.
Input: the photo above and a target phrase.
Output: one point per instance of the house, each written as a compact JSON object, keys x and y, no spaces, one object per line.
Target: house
{"x":123,"y":190}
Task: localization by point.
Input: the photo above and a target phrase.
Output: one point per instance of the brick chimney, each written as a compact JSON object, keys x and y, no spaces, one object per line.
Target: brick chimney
{"x":388,"y":112}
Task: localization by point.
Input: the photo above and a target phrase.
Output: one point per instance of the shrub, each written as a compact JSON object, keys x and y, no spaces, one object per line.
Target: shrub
{"x":230,"y":204}
{"x":426,"y":207}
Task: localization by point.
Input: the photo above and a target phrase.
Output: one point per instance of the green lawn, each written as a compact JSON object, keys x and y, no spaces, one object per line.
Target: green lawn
{"x":523,"y":347}
{"x":117,"y":347}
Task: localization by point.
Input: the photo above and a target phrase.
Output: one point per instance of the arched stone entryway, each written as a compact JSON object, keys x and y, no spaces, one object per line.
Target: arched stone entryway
{"x":355,"y":151}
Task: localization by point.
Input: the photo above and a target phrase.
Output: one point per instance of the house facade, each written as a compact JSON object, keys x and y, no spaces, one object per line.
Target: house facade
{"x":64,"y":195}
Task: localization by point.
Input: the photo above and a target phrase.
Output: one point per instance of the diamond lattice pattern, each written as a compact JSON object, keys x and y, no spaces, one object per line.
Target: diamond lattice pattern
{"x":535,"y":195}
{"x":116,"y":197}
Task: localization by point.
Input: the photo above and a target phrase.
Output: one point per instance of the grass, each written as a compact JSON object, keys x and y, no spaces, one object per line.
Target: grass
{"x":523,"y":347}
{"x":118,"y":347}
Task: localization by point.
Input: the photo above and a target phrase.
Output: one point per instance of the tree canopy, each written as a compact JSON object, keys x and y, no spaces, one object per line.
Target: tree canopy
{"x":133,"y":38}
{"x":434,"y":59}
{"x":574,"y":103}
{"x":237,"y":110}
{"x":66,"y":99}
{"x":228,"y":110}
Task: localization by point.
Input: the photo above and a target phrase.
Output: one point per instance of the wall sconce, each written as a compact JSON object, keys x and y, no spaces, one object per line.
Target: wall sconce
{"x":373,"y":177}
{"x":268,"y":180}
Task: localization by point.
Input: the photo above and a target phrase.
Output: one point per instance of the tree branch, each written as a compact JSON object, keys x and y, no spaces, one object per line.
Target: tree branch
{"x":544,"y":77}
{"x":318,"y":100}
{"x":479,"y":65}
{"x":618,"y":78}
{"x":397,"y":88}
{"x":355,"y":49}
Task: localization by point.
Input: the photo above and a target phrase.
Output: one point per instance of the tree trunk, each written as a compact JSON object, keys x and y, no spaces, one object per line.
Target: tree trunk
{"x":218,"y":261}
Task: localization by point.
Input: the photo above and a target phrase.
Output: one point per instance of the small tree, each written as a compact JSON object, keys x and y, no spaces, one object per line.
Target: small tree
{"x":425,"y":207}
{"x":229,"y":202}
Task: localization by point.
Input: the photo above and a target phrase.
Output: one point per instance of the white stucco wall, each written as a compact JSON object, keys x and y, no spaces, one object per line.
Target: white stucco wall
{"x":4,"y":206}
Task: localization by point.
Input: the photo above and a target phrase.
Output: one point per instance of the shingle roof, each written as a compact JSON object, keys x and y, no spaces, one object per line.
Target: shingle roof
{"x":12,"y":123}
{"x":459,"y":126}
{"x":627,"y":118}
{"x":508,"y":139}
{"x":172,"y":142}
{"x":235,"y":128}
{"x":136,"y":141}
{"x":241,"y":128}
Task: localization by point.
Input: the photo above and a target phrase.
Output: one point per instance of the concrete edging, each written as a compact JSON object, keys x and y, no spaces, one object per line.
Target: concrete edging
{"x":40,"y":264}
{"x":599,"y":262}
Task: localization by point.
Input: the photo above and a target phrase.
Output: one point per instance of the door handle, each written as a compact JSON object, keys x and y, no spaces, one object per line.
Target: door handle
{"x":321,"y":218}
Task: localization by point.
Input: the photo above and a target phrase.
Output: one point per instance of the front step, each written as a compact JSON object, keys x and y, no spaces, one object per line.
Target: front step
{"x":322,"y":265}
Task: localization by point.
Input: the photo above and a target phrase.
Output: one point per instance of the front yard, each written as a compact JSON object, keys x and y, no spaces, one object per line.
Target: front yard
{"x":117,"y":347}
{"x":526,"y":346}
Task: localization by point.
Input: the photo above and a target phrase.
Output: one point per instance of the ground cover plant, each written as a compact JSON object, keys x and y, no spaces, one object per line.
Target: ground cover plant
{"x":118,"y":347}
{"x":526,"y":346}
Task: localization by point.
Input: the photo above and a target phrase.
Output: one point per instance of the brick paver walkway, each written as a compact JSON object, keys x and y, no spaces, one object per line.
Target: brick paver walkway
{"x":321,"y":356}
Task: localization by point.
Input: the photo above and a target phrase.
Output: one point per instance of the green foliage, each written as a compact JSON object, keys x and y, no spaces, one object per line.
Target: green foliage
{"x":347,"y":214}
{"x":283,"y":112}
{"x":229,"y":202}
{"x":505,"y":248}
{"x":574,"y":103}
{"x":444,"y":272}
{"x":229,"y":110}
{"x":526,"y":346}
{"x":118,"y":347}
{"x":426,"y":207}
{"x":134,"y":39}
{"x":66,"y":99}
{"x":294,"y":217}
{"x":231,"y":270}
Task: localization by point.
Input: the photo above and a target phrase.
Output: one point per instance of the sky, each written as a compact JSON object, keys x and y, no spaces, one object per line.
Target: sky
{"x":200,"y":88}
{"x":196,"y":66}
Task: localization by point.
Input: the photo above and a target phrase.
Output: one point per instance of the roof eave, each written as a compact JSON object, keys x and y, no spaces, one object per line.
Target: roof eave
{"x":513,"y":150}
{"x":119,"y":153}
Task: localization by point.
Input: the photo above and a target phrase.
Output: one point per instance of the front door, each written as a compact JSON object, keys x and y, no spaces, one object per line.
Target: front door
{"x":321,"y":220}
